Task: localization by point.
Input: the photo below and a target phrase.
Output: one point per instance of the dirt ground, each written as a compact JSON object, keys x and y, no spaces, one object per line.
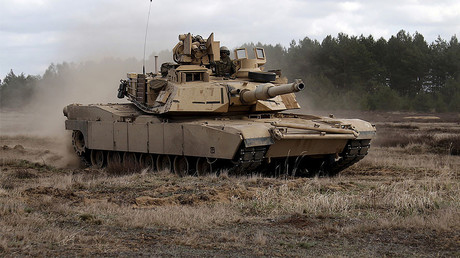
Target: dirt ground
{"x":403,"y":199}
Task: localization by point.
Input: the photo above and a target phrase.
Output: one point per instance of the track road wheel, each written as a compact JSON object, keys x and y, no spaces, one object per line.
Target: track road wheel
{"x":181,"y":166}
{"x":113,"y":158}
{"x":203,"y":167}
{"x":163,"y":163}
{"x":147,"y":161}
{"x":324,"y":167}
{"x":129,"y":159}
{"x":97,"y":158}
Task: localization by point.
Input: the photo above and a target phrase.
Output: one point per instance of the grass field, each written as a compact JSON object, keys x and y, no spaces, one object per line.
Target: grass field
{"x":403,"y":199}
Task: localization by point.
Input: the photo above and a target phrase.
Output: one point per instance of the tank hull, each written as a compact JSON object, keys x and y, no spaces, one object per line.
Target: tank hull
{"x":268,"y":143}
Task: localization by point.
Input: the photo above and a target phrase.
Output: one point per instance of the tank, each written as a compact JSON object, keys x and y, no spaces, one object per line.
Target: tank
{"x":186,"y":119}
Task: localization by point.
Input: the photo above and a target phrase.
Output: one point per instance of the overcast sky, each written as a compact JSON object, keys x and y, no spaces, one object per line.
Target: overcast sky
{"x":35,"y":33}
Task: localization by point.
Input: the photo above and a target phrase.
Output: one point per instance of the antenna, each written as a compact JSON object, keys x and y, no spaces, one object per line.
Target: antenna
{"x":145,"y":40}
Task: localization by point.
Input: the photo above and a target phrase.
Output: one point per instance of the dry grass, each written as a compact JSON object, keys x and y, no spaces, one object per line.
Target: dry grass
{"x":123,"y":168}
{"x":407,"y":163}
{"x":25,"y":164}
{"x":333,"y":197}
{"x":57,"y":211}
{"x":447,"y":144}
{"x":401,"y":200}
{"x":444,"y":139}
{"x":171,"y":217}
{"x":259,"y":238}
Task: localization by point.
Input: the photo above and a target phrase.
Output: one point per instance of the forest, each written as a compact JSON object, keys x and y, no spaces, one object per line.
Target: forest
{"x":403,"y":73}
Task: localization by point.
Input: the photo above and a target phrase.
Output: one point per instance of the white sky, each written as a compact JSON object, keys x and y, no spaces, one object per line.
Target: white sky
{"x":35,"y":33}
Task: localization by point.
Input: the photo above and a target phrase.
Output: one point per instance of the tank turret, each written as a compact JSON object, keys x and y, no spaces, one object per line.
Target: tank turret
{"x":193,"y":84}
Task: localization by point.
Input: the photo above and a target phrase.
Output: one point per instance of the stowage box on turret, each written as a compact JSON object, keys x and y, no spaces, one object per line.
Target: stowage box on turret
{"x":190,"y":119}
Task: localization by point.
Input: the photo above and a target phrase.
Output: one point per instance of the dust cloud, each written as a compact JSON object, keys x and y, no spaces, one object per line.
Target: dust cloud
{"x":96,"y":55}
{"x":88,"y":82}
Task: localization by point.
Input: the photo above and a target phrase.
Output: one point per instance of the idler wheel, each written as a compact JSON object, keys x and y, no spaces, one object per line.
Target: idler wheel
{"x":113,"y":157}
{"x":147,"y":161}
{"x":163,"y":163}
{"x":97,"y":158}
{"x":181,"y":166}
{"x":203,"y":167}
{"x":78,"y":142}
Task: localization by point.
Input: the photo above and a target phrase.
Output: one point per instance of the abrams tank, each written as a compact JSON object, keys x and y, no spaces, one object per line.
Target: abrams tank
{"x":191,"y":119}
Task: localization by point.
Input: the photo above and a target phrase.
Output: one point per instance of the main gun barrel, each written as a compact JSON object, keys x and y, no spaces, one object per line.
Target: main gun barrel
{"x":268,"y":91}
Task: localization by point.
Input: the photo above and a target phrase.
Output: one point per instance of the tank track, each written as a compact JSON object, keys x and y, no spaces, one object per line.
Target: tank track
{"x":248,"y":160}
{"x":252,"y":160}
{"x":326,"y":165}
{"x":354,"y":151}
{"x":80,"y":149}
{"x":85,"y":160}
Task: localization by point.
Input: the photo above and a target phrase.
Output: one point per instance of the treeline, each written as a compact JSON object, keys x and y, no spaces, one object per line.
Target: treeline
{"x":16,"y":90}
{"x":350,"y":72}
{"x":64,"y":83}
{"x":343,"y":72}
